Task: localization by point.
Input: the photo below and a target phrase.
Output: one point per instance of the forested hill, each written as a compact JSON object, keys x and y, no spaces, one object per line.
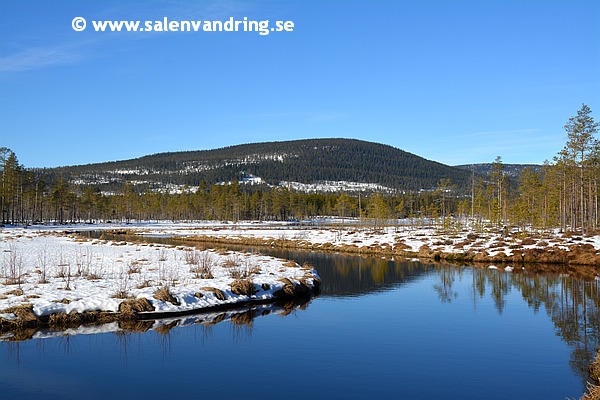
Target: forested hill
{"x":303,"y":161}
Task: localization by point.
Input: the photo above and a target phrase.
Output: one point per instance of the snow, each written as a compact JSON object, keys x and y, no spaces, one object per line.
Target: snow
{"x":87,"y":275}
{"x":335,"y":186}
{"x":338,"y":233}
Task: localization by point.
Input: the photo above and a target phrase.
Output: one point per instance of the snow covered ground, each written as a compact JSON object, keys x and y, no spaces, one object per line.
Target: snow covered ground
{"x":405,"y":237}
{"x":58,"y":273}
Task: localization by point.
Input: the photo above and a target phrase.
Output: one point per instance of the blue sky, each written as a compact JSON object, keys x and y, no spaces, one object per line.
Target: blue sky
{"x":452,"y":81}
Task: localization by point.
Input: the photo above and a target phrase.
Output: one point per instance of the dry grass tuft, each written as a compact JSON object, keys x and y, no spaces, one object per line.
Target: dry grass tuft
{"x":192,"y":257}
{"x":203,"y":265}
{"x":16,"y":292}
{"x":243,"y":287}
{"x":63,"y":320}
{"x":133,"y":306}
{"x":288,"y":290}
{"x":24,"y":312}
{"x":231,"y":262}
{"x":163,"y":294}
{"x":595,"y":368}
{"x":218,"y":293}
{"x":528,"y":241}
{"x":593,"y":392}
{"x":144,"y":284}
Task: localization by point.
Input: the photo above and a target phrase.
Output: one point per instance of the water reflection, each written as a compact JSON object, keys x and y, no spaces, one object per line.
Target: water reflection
{"x":571,"y":304}
{"x":239,"y":318}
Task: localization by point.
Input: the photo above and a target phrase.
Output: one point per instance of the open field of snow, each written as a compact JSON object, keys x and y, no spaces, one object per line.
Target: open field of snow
{"x":57,"y":272}
{"x":61,"y":273}
{"x":410,"y":239}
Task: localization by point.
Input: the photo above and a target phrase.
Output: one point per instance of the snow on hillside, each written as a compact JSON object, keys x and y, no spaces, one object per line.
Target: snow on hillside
{"x":335,"y":186}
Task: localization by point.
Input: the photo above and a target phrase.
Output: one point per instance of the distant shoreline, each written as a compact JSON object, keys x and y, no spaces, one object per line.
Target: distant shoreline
{"x":534,"y":252}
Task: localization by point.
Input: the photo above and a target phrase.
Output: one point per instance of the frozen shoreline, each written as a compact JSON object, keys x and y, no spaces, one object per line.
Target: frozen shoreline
{"x":55,"y":272}
{"x":488,"y":246}
{"x":46,"y":273}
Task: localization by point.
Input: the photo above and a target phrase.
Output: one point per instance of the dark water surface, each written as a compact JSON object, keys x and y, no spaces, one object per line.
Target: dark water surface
{"x":380,"y":329}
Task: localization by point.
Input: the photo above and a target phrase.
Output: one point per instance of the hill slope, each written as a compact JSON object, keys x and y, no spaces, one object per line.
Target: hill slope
{"x":304,"y":161}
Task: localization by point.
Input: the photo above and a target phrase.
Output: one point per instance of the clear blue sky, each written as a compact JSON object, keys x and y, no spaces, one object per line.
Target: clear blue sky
{"x":452,"y":81}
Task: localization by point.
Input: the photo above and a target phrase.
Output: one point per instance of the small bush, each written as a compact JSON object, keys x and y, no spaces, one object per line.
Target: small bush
{"x":192,"y":257}
{"x":204,"y":267}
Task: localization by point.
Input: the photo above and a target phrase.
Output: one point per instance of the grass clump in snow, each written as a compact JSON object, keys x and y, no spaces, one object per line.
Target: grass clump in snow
{"x":24,"y":314}
{"x":218,"y":293}
{"x":63,"y":320}
{"x":163,"y":294}
{"x":133,"y":306}
{"x":243,"y":287}
{"x":16,"y":292}
{"x":291,"y":289}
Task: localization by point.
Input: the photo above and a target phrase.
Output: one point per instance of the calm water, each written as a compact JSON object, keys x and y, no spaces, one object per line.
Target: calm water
{"x":379,"y":329}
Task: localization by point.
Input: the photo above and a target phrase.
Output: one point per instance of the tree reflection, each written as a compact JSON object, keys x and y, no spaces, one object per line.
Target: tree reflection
{"x":444,"y":288}
{"x":572,"y":304}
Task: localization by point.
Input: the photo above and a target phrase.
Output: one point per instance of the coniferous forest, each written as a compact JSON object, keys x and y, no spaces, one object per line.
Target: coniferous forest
{"x":563,"y":193}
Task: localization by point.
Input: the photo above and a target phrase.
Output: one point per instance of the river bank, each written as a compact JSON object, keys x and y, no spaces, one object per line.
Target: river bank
{"x":535,"y":252}
{"x":51,"y":278}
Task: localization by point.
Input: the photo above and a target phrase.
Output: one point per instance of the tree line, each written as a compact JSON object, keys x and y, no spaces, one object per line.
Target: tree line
{"x":562,"y":194}
{"x":303,"y":161}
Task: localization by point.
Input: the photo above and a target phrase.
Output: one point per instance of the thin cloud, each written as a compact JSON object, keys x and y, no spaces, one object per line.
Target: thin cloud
{"x":40,"y":57}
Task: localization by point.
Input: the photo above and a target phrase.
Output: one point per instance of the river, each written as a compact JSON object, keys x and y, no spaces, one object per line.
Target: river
{"x":379,"y":329}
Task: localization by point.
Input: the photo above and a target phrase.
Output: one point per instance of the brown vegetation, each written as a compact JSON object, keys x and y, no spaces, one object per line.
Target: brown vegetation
{"x":291,"y":289}
{"x":243,"y":287}
{"x":594,"y":386}
{"x":218,"y":293}
{"x":131,"y":307}
{"x":163,"y":294}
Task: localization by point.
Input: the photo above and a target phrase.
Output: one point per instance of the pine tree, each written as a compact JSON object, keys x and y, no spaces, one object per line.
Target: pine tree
{"x":577,"y":157}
